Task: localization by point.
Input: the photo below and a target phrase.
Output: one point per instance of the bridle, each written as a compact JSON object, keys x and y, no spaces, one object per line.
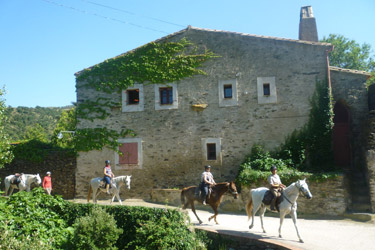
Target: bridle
{"x":301,"y":191}
{"x":232,"y":191}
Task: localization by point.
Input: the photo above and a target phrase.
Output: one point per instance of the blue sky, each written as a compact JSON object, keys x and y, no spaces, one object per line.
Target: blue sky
{"x":44,"y":42}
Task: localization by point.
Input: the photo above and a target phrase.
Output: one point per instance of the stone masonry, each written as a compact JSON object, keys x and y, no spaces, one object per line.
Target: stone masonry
{"x":171,"y":140}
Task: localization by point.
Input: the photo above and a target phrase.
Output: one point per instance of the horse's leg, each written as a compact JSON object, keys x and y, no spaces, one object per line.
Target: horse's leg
{"x":261,"y":215}
{"x":6,"y":190}
{"x":255,"y":210}
{"x":193,"y":209}
{"x":294,"y":218}
{"x":215,"y":214}
{"x":94,"y":193}
{"x":282,"y":215}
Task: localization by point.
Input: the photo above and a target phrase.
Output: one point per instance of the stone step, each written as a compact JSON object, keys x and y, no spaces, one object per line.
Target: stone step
{"x":365,"y":217}
{"x":361,"y":207}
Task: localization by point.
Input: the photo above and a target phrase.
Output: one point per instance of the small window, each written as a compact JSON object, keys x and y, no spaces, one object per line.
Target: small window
{"x":228,"y":91}
{"x":266,"y":89}
{"x":133,"y":96}
{"x":211,"y":151}
{"x":129,"y":153}
{"x":166,"y":95}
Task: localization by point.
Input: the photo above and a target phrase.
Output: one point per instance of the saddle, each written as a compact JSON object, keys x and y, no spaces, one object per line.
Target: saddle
{"x":268,"y":197}
{"x":198,"y":192}
{"x":16,"y":180}
{"x":102,"y":184}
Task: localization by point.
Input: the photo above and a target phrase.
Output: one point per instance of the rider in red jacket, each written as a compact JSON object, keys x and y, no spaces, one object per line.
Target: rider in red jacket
{"x":47,"y":183}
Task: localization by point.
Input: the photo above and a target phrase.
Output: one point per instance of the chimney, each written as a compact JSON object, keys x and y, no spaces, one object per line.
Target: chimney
{"x":307,"y":25}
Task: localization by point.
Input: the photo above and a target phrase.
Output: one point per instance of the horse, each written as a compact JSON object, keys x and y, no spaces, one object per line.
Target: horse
{"x":287,"y":206}
{"x":26,"y":181}
{"x":214,"y":200}
{"x":117,"y":182}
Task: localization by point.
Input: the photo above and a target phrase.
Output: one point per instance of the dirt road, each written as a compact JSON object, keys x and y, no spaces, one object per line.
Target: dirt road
{"x":332,"y":234}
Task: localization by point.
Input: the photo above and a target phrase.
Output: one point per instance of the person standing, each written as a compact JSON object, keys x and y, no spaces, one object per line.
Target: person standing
{"x":207,"y":180}
{"x":108,"y":175}
{"x":275,"y":185}
{"x":47,"y":183}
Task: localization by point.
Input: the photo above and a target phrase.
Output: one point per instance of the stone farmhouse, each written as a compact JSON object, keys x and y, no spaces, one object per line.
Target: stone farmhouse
{"x":256,"y":92}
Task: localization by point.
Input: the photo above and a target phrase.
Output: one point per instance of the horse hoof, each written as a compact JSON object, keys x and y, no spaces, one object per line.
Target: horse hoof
{"x":200,"y":222}
{"x":250,"y":227}
{"x":264,"y":231}
{"x":280,"y":236}
{"x":300,"y":240}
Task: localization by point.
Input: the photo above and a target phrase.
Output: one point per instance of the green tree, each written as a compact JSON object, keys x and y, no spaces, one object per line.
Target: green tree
{"x":349,"y":54}
{"x":35,"y":132}
{"x":6,"y":155}
{"x":67,"y":122}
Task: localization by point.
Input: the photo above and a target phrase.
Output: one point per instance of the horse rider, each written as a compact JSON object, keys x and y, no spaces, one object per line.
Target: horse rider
{"x":275,"y":185}
{"x":108,"y":175}
{"x":17,"y":179}
{"x":207,"y":181}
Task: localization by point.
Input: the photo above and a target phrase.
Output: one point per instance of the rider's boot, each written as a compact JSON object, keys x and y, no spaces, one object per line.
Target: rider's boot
{"x":273,"y":204}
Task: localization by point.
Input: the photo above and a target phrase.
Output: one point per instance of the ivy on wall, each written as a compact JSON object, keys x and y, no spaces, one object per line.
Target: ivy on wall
{"x":153,"y":63}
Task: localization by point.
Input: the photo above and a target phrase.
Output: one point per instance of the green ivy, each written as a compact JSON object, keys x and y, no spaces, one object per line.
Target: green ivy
{"x":153,"y":63}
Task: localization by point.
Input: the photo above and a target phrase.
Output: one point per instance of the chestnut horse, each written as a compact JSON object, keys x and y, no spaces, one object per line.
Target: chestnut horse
{"x":188,"y":197}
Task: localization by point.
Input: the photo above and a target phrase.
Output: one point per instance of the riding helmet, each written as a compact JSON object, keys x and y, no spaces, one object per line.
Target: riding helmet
{"x":107,"y":162}
{"x":273,"y":168}
{"x":207,"y":167}
{"x":48,"y":172}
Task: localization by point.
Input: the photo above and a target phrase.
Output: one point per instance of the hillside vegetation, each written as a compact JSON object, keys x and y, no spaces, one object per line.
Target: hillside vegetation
{"x":22,"y":121}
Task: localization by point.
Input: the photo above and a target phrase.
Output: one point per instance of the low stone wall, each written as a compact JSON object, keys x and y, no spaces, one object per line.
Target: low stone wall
{"x":62,"y":166}
{"x":330,"y":197}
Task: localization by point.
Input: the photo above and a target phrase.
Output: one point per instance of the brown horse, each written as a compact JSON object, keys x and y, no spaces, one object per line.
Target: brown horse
{"x":188,"y":197}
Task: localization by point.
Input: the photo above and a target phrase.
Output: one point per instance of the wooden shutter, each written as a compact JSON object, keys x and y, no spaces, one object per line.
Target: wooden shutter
{"x":130,"y":153}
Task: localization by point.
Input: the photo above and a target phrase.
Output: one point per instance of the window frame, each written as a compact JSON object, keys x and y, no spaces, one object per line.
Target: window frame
{"x":266,"y":99}
{"x":122,"y":166}
{"x":158,"y":104}
{"x":126,"y":107}
{"x":226,"y":101}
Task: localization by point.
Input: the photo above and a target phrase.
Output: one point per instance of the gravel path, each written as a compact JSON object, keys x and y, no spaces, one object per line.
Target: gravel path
{"x":318,"y":234}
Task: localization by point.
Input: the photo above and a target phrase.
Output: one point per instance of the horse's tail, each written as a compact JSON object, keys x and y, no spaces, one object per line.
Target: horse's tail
{"x":183,"y":198}
{"x":89,"y":194}
{"x":249,"y":206}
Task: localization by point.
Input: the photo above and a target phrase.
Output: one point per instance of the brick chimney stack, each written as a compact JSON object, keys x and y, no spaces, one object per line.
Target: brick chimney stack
{"x":307,"y":25}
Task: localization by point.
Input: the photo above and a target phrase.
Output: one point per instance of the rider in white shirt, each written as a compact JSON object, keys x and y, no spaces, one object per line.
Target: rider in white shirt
{"x":207,"y":180}
{"x":275,"y":185}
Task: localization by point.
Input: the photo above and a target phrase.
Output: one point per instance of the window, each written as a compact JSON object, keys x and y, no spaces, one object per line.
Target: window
{"x":132,"y":99}
{"x":166,"y":95}
{"x":133,"y":96}
{"x":211,"y":151}
{"x":129,"y":153}
{"x":266,"y":89}
{"x":227,"y":91}
{"x":131,"y":158}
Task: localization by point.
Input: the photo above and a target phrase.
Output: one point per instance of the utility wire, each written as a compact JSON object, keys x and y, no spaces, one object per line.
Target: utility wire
{"x":131,"y":13}
{"x":104,"y":17}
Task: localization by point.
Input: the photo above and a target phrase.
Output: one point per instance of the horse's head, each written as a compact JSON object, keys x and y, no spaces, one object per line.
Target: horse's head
{"x":304,"y":188}
{"x":37,"y":179}
{"x":233,"y":189}
{"x":128,"y":180}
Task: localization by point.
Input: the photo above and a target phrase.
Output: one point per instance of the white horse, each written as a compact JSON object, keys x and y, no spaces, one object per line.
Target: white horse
{"x":26,"y":181}
{"x":117,"y":182}
{"x":287,"y":206}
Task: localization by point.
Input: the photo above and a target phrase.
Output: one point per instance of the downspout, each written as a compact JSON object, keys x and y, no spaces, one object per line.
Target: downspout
{"x":328,"y":70}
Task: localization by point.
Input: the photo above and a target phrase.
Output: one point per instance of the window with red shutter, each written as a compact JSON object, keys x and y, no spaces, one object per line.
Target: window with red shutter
{"x":130,"y":153}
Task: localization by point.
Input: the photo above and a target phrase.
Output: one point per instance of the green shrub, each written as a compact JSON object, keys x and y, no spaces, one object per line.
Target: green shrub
{"x":97,"y":230}
{"x":34,"y":215}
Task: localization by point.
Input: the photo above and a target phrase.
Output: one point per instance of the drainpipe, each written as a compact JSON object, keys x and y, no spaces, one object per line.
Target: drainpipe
{"x":328,"y":71}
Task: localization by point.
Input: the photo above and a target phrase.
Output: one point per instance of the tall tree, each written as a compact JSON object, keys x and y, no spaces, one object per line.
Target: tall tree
{"x":6,"y":155}
{"x":349,"y":54}
{"x":67,"y":122}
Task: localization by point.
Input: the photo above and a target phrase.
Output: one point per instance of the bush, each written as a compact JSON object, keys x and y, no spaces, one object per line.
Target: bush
{"x":97,"y":230}
{"x":32,"y":215}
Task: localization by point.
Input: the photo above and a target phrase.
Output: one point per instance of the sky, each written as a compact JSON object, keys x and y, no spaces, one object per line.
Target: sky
{"x":43,"y":43}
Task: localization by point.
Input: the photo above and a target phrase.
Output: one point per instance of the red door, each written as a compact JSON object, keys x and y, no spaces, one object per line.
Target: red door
{"x":341,"y":135}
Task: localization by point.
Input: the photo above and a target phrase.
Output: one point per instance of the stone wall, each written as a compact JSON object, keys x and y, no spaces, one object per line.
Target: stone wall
{"x":370,"y":159}
{"x":330,"y":197}
{"x":172,"y":151}
{"x":61,"y":165}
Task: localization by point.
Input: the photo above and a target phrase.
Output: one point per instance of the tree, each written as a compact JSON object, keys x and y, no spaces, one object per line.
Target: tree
{"x":6,"y":155}
{"x":35,"y":132}
{"x":349,"y":54}
{"x":67,"y":122}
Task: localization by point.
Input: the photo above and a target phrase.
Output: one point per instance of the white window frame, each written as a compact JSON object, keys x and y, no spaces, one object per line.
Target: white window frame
{"x":227,"y":102}
{"x":119,"y":166}
{"x":265,"y":99}
{"x":159,"y":106}
{"x":217,"y":142}
{"x":133,"y":107}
